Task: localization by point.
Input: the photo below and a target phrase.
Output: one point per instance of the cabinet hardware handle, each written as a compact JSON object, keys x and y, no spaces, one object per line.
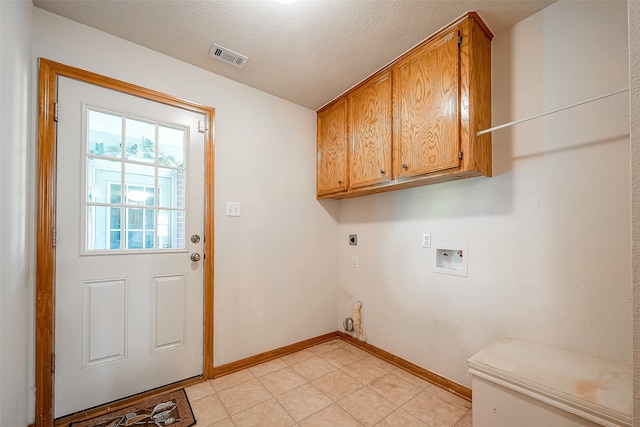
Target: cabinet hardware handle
{"x":340,"y":182}
{"x":405,"y":167}
{"x":382,"y":172}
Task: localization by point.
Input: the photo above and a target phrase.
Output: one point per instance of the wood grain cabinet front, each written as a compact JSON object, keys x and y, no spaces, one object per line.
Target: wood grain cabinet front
{"x":332,"y":167}
{"x":370,"y":133}
{"x":414,"y":122}
{"x":426,"y":100}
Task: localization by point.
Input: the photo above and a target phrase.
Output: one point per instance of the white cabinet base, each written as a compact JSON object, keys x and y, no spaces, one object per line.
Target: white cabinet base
{"x":497,"y":406}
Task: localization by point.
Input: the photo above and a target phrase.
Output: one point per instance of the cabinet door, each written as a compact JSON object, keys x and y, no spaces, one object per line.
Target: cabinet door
{"x":331,"y":174}
{"x":370,"y":133}
{"x":426,"y":100}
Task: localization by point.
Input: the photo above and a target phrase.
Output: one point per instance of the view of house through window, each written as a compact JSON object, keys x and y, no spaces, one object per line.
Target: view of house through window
{"x":135,"y":183}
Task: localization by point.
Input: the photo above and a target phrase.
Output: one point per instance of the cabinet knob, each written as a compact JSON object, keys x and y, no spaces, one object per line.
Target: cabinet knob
{"x":405,"y":167}
{"x":340,"y":182}
{"x":382,"y":172}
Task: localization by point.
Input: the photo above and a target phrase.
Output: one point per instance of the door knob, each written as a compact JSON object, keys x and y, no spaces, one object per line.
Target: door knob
{"x":195,"y":238}
{"x":195,"y":257}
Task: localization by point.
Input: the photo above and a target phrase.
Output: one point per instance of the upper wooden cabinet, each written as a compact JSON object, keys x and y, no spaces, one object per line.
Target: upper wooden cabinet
{"x":370,"y":132}
{"x":426,"y":100}
{"x":331,"y":174}
{"x":415,"y":121}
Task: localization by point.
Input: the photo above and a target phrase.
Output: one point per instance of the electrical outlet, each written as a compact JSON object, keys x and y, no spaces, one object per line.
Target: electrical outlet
{"x":426,"y":240}
{"x":354,"y":262}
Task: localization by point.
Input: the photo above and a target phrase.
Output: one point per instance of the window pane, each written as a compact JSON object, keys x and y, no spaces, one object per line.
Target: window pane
{"x":115,"y":193}
{"x":170,"y":229}
{"x":141,"y":138}
{"x":103,"y":228}
{"x":135,"y":195}
{"x":151,"y":199}
{"x":114,"y":219}
{"x":171,"y":188}
{"x":149,"y":222}
{"x":114,"y":239}
{"x":104,"y":134}
{"x":149,"y":240}
{"x":134,"y":240}
{"x":171,"y":144}
{"x":101,"y":174}
{"x":137,"y":178}
{"x":134,"y":219}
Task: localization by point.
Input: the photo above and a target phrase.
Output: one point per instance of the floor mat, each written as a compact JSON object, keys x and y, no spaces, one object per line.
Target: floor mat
{"x":168,"y":409}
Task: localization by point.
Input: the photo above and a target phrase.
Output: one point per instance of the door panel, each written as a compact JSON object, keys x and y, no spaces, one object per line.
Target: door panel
{"x":104,"y":321}
{"x":128,"y":298}
{"x":168,"y":295}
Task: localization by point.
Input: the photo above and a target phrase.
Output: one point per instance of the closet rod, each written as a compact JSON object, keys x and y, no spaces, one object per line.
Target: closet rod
{"x":482,"y":132}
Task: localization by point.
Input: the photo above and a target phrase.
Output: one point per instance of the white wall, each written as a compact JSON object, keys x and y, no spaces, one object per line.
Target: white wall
{"x":548,"y":236}
{"x":16,"y":159}
{"x":275,"y":276}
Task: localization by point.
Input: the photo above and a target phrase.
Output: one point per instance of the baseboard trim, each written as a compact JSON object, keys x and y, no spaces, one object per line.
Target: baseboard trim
{"x":433,"y":378}
{"x":239,"y":365}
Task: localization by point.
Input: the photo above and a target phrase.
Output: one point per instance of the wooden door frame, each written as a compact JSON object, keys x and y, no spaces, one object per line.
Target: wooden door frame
{"x":48,"y":74}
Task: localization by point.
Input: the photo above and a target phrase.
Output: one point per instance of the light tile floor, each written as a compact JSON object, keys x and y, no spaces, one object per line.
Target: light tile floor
{"x":331,"y":384}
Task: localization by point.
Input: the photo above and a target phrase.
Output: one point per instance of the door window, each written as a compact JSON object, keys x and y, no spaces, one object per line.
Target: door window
{"x":135,"y":183}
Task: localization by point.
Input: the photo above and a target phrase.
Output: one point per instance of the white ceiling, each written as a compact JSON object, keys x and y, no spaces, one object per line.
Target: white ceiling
{"x":308,"y":52}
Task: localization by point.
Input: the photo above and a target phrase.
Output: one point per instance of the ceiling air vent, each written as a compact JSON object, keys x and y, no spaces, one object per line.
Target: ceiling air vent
{"x":228,"y":56}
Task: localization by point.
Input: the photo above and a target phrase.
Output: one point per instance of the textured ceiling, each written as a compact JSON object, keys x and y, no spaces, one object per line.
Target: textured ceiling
{"x":308,"y":52}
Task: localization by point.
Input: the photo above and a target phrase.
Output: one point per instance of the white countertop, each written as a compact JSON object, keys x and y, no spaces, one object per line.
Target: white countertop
{"x":592,"y":388}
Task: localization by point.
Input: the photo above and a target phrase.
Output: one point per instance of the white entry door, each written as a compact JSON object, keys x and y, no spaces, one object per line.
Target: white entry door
{"x":129,"y":238}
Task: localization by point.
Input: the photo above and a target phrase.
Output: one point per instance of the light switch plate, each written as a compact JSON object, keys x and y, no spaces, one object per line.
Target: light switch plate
{"x":232,"y":209}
